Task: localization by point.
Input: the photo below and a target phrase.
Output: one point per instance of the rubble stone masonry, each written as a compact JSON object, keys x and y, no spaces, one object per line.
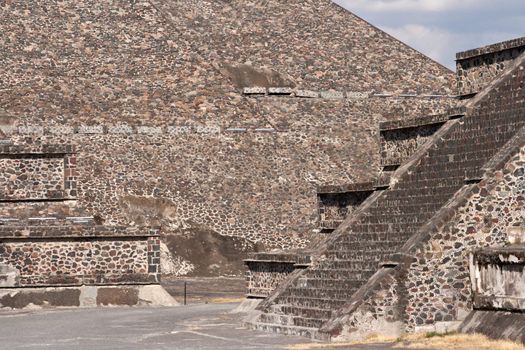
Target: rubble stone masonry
{"x":76,"y":255}
{"x":151,"y":95}
{"x":477,"y":68}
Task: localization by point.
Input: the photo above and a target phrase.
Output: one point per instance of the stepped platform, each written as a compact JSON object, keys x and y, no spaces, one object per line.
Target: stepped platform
{"x":453,"y":158}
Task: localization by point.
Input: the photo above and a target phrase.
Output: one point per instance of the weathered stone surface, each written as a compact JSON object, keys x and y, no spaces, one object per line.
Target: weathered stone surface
{"x":461,"y":191}
{"x":108,"y":84}
{"x":20,"y":299}
{"x":477,"y":68}
{"x":85,"y":296}
{"x":117,"y":296}
{"x":496,"y":325}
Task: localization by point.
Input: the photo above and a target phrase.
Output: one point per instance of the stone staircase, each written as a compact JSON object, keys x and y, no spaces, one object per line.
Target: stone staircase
{"x":455,"y":156}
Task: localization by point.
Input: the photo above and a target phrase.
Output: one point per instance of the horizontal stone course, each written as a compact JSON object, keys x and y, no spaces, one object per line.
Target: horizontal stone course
{"x":489,"y":49}
{"x":477,"y":68}
{"x":44,"y":231}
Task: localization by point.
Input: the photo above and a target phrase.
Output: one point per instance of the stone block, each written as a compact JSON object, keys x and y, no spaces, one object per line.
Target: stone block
{"x":357,"y":95}
{"x":307,"y":94}
{"x":179,"y":129}
{"x":117,"y":296}
{"x":207,"y":129}
{"x":254,"y":90}
{"x":91,"y":129}
{"x":236,"y":130}
{"x":60,"y":130}
{"x":149,"y":130}
{"x":120,"y":129}
{"x":280,"y":91}
{"x":332,"y":95}
{"x":31,"y":129}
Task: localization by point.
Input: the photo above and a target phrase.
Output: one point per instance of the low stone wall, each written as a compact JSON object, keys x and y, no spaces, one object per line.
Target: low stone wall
{"x":498,"y":278}
{"x":37,"y":172}
{"x":79,"y":255}
{"x":401,"y":138}
{"x":85,"y":296}
{"x":337,"y":202}
{"x":477,"y":68}
{"x":265,"y":271}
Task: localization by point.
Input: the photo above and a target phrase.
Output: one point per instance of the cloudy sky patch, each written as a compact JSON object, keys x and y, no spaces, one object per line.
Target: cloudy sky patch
{"x":440,"y":28}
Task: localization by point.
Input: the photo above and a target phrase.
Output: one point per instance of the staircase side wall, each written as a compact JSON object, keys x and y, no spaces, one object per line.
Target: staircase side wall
{"x":479,"y":67}
{"x":436,"y":285}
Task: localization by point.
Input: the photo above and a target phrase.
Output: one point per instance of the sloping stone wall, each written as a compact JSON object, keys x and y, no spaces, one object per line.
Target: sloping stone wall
{"x":436,"y":280}
{"x":150,"y":92}
{"x":496,"y":205}
{"x":477,"y":68}
{"x":260,"y":183}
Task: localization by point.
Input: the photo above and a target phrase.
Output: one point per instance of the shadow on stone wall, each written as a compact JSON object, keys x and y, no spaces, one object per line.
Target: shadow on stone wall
{"x":217,"y":255}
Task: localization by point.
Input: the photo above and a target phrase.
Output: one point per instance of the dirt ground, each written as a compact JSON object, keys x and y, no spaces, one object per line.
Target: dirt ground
{"x":202,"y":290}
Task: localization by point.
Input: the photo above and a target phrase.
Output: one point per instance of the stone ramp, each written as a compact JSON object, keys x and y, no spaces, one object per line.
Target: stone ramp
{"x":453,"y":158}
{"x":496,"y":324}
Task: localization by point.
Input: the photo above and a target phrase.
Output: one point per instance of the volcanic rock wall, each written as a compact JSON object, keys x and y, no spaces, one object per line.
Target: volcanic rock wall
{"x":477,"y":68}
{"x":426,"y":285}
{"x":150,"y":94}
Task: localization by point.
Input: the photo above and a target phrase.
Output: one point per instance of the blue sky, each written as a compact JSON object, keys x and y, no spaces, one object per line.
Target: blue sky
{"x":440,"y":28}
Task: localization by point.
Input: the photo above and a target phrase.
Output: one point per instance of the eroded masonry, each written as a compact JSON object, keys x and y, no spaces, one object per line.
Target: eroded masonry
{"x":438,"y":243}
{"x":368,"y":188}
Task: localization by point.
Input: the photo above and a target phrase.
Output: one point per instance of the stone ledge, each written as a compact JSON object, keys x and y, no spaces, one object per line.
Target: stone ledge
{"x":489,"y":49}
{"x":335,"y":94}
{"x":500,"y":255}
{"x":330,"y":224}
{"x":353,"y":187}
{"x":421,"y":121}
{"x":48,"y":221}
{"x":296,"y":258}
{"x":9,"y":149}
{"x":66,"y":280}
{"x":73,"y":231}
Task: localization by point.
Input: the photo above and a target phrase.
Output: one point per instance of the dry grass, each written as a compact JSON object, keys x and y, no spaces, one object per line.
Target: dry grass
{"x":429,"y":341}
{"x":374,"y":339}
{"x":225,"y":300}
{"x":456,"y":342}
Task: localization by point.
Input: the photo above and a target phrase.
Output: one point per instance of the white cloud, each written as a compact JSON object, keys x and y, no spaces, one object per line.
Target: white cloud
{"x":440,"y":28}
{"x":410,"y":5}
{"x":436,"y":43}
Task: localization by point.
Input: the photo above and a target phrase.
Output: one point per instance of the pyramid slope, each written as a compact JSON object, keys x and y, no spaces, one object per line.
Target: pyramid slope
{"x":154,"y":65}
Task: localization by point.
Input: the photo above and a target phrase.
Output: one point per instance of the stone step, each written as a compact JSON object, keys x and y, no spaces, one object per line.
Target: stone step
{"x":365,"y":245}
{"x":327,"y":283}
{"x":308,"y":322}
{"x":347,"y":265}
{"x":341,"y":274}
{"x":306,"y":332}
{"x":371,"y":257}
{"x":292,"y":319}
{"x":307,"y":312}
{"x":322,"y":303}
{"x":276,"y":318}
{"x":323,"y":293}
